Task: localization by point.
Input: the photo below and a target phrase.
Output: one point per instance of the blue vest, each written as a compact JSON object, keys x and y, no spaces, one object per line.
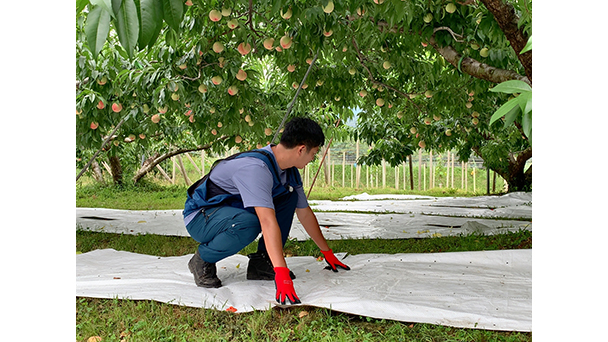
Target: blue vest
{"x":204,"y":193}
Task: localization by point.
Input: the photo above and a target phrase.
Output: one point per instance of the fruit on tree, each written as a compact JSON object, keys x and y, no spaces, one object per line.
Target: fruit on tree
{"x":238,"y":139}
{"x":214,"y":132}
{"x":469,"y":105}
{"x":380,"y":102}
{"x":328,"y":33}
{"x":101,"y":105}
{"x":233,"y":90}
{"x":94,"y":125}
{"x":285,"y":42}
{"x":155,"y":118}
{"x":244,"y":48}
{"x":221,"y":61}
{"x":268,"y":42}
{"x":142,"y":136}
{"x":183,"y":66}
{"x":218,"y":47}
{"x":232,"y":23}
{"x":191,"y":118}
{"x":294,"y":85}
{"x":428,"y":93}
{"x":188,"y":112}
{"x":319,"y":83}
{"x":287,"y":14}
{"x":428,"y":121}
{"x":421,"y":144}
{"x":163,"y":109}
{"x":103,"y":80}
{"x":329,"y":8}
{"x":387,"y":65}
{"x":448,"y":132}
{"x":268,"y":131}
{"x":226,"y":11}
{"x":484,"y":52}
{"x":215,"y":15}
{"x":428,"y":18}
{"x":216,"y":80}
{"x":475,"y":121}
{"x":241,"y":75}
{"x":202,"y":88}
{"x":352,"y":71}
{"x":146,"y":108}
{"x":399,"y":114}
{"x":413,"y":130}
{"x":247,"y":118}
{"x":219,"y":124}
{"x":436,"y":117}
{"x":116,"y":107}
{"x":450,"y":8}
{"x":291,"y":68}
{"x":309,"y":60}
{"x":212,"y":110}
{"x":189,"y":3}
{"x":363,"y":93}
{"x":175,"y":96}
{"x":475,"y":114}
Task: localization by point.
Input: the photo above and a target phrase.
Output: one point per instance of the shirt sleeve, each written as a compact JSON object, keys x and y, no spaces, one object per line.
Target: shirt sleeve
{"x":302,"y":201}
{"x":254,"y":183}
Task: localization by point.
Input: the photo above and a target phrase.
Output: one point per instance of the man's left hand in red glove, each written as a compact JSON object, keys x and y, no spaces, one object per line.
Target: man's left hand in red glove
{"x":333,"y":262}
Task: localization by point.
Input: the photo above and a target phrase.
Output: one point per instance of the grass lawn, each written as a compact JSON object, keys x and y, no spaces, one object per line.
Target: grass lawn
{"x":130,"y":320}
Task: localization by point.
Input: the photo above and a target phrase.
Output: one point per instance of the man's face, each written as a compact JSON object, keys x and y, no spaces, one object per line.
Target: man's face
{"x":305,"y":155}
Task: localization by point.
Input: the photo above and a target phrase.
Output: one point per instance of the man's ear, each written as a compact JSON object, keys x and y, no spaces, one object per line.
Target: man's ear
{"x":302,"y":149}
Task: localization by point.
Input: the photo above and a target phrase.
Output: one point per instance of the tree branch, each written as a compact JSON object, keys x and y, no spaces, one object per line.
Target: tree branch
{"x":475,"y":68}
{"x":156,"y":159}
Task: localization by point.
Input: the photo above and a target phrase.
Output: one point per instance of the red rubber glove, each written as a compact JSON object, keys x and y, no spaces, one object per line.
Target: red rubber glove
{"x":333,"y":262}
{"x":284,"y":286}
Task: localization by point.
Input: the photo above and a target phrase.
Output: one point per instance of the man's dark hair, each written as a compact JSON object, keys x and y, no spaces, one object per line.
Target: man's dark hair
{"x":302,"y":131}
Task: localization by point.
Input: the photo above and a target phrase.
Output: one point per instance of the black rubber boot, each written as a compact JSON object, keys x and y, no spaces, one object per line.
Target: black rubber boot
{"x":205,"y":273}
{"x":260,"y":267}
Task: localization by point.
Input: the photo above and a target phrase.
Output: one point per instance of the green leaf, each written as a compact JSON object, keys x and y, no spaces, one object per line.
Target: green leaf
{"x":97,"y":28}
{"x":528,"y":46}
{"x":504,"y":110}
{"x":105,"y":4}
{"x":80,"y":5}
{"x":526,"y":125}
{"x":116,"y":4}
{"x":525,"y":101}
{"x":512,"y":114}
{"x":127,"y":26}
{"x":149,"y":20}
{"x":173,"y":12}
{"x":511,"y":87}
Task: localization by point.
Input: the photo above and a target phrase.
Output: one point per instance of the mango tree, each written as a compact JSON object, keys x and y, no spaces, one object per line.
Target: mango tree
{"x":195,"y":74}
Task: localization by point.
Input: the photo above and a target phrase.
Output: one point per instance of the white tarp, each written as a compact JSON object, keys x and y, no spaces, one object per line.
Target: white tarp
{"x":371,"y":216}
{"x":485,"y":290}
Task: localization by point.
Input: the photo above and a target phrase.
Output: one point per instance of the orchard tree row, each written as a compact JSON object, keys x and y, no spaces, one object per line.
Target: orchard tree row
{"x":170,"y":76}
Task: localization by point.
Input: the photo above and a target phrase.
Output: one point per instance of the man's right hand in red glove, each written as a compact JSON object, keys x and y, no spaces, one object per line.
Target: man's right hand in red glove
{"x":284,"y":286}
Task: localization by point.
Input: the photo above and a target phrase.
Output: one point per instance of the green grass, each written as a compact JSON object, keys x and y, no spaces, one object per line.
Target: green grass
{"x":129,"y":320}
{"x":147,"y":320}
{"x":175,"y":246}
{"x":153,"y":196}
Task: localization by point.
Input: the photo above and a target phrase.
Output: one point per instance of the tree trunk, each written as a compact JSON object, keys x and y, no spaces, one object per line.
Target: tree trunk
{"x":96,"y":172}
{"x":116,"y":169}
{"x":514,"y":174}
{"x":507,"y":19}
